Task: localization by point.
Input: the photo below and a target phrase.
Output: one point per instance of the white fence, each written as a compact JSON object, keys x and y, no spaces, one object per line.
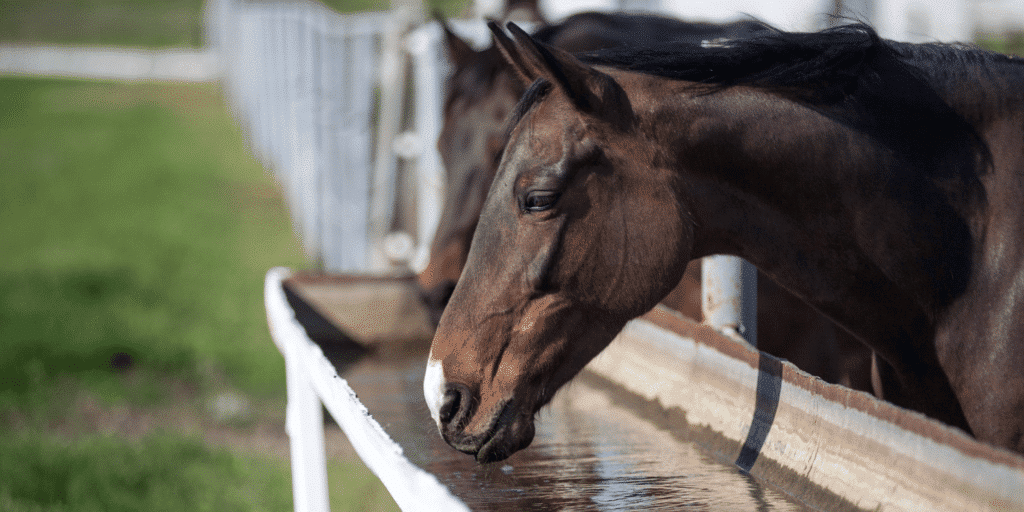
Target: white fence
{"x":320,"y":96}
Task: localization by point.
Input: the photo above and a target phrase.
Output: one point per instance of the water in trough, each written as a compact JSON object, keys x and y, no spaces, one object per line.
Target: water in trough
{"x":591,"y":451}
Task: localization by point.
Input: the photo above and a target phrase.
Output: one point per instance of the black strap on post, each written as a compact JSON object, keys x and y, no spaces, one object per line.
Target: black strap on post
{"x":769,"y":387}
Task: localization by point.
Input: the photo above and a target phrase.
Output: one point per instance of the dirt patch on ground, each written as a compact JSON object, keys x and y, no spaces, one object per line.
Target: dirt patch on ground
{"x":223,"y":418}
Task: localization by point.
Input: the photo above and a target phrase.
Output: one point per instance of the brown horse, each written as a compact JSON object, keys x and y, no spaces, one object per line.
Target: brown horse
{"x":483,"y":89}
{"x":881,"y":182}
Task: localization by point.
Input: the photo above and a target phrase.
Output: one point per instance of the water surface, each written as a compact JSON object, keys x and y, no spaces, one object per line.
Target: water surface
{"x":589,"y":453}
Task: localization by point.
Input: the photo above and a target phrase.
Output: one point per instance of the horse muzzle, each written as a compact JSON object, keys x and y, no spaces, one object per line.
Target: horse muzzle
{"x":507,"y":431}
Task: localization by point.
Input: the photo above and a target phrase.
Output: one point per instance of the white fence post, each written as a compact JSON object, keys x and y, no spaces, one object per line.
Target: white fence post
{"x":393,"y":60}
{"x":349,"y":69}
{"x":729,"y":295}
{"x":429,"y":66}
{"x":304,"y":423}
{"x":301,"y":80}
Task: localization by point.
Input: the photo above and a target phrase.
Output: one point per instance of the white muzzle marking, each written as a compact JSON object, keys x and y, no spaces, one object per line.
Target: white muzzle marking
{"x":433,"y":389}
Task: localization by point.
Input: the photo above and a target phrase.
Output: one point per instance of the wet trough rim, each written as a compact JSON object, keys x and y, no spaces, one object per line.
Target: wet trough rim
{"x":714,"y":444}
{"x":911,"y":421}
{"x":314,"y":278}
{"x":704,"y":335}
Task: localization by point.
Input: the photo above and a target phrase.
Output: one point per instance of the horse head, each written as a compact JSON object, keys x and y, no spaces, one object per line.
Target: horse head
{"x":481,"y":91}
{"x":550,"y":278}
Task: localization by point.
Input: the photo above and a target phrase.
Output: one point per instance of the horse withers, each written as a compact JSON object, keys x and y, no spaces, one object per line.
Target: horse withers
{"x":480,"y":93}
{"x":881,"y":182}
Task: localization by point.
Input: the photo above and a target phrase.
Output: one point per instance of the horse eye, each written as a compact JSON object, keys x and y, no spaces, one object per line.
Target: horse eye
{"x":539,"y":201}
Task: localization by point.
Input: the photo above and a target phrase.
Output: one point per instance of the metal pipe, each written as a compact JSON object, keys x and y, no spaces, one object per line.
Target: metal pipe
{"x":729,"y":296}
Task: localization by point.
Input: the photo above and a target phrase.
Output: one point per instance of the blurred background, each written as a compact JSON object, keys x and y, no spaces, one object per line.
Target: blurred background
{"x":137,"y":219}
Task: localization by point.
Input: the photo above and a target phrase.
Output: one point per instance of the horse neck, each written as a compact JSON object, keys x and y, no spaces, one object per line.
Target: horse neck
{"x":783,"y":186}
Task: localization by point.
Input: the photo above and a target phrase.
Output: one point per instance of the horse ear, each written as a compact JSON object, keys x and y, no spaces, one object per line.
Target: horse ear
{"x":589,"y":90}
{"x":526,"y":70}
{"x":458,"y":48}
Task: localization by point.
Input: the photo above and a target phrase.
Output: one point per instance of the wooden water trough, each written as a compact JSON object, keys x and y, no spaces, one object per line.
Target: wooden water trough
{"x":666,"y":379}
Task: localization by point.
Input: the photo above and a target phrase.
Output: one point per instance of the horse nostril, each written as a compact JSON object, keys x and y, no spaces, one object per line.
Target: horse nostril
{"x":455,"y":407}
{"x":450,"y":405}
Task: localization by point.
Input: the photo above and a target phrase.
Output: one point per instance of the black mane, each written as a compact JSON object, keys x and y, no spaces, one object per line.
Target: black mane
{"x":771,"y":58}
{"x":909,"y":96}
{"x":829,"y":60}
{"x":589,"y":31}
{"x":592,"y":31}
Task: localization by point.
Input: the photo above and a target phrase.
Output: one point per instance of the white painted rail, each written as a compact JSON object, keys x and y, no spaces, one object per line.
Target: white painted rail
{"x":312,"y":380}
{"x":108,"y":63}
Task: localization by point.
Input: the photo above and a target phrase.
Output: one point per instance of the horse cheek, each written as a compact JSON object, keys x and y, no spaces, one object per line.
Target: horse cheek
{"x":660,"y":252}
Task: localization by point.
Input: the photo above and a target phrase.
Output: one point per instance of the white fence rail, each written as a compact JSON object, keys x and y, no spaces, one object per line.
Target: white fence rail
{"x":312,"y":380}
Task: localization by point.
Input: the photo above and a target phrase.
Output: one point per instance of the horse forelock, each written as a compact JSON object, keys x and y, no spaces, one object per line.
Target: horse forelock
{"x":536,"y":92}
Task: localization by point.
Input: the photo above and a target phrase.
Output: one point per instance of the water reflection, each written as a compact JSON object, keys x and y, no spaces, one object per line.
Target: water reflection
{"x":588,"y":454}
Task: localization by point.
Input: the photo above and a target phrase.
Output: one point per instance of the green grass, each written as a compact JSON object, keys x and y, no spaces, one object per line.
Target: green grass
{"x":1010,"y":43}
{"x":136,"y":231}
{"x":161,"y":473}
{"x":133,"y":230}
{"x":158,"y":23}
{"x":144,"y":23}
